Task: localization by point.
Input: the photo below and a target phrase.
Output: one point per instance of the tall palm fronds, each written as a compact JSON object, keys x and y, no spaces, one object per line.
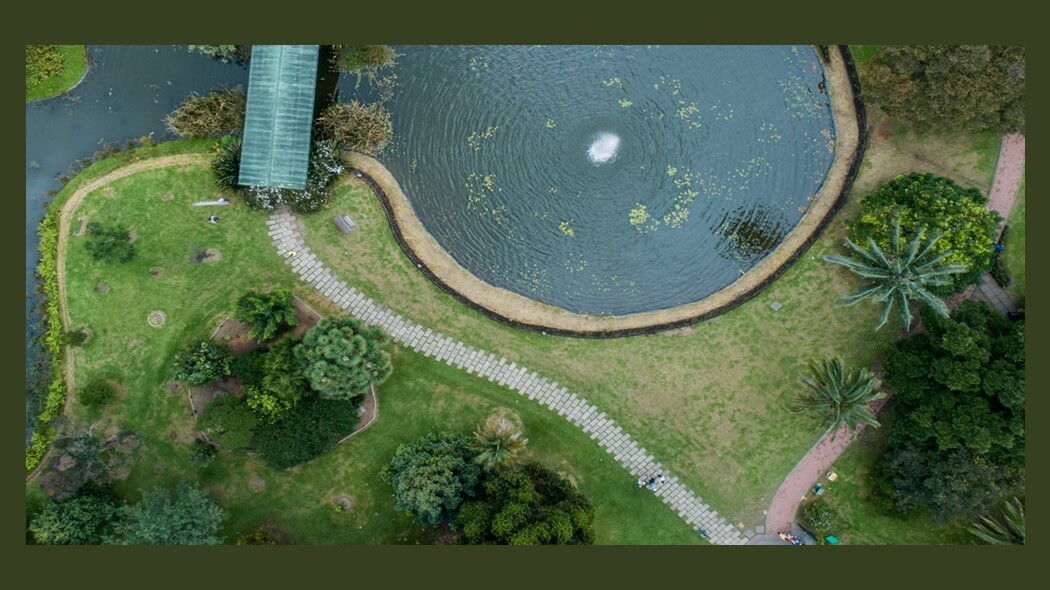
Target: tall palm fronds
{"x":837,"y":396}
{"x":498,"y":443}
{"x":900,"y":277}
{"x":1005,"y":526}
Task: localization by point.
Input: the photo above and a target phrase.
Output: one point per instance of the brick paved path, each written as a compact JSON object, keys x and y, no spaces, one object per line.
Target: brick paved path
{"x":1008,"y":172}
{"x":690,"y":507}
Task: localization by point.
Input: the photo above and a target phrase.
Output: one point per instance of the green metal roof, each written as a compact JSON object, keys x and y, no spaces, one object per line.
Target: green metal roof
{"x":279,"y":117}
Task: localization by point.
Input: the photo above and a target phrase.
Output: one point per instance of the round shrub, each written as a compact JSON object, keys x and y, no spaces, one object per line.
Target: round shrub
{"x":96,"y":394}
{"x":340,"y":358}
{"x":228,"y":421}
{"x":360,"y":127}
{"x":269,"y":313}
{"x":201,"y":362}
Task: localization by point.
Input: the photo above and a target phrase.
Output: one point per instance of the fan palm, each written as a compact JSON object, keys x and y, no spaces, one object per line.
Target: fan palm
{"x":498,"y":443}
{"x":837,"y":396}
{"x":901,"y":277}
{"x":1003,"y":527}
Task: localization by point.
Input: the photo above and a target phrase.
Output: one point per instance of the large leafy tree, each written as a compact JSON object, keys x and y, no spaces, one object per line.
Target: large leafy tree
{"x":432,"y":476}
{"x":943,"y":87}
{"x":837,"y":396}
{"x":269,"y":313}
{"x":183,"y":515}
{"x":900,"y":276}
{"x":109,"y":243}
{"x":83,"y":520}
{"x":937,"y":205}
{"x":498,"y":443}
{"x":202,"y":361}
{"x":1003,"y":526}
{"x":341,"y":358}
{"x":309,"y":429}
{"x":529,"y":506}
{"x":957,"y":442}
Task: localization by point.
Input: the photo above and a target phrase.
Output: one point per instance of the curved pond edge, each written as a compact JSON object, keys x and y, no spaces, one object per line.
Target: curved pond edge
{"x":64,"y":91}
{"x":502,"y":305}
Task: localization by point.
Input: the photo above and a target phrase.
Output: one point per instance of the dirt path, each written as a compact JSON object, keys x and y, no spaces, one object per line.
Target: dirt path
{"x":818,"y":460}
{"x":1007,"y":175}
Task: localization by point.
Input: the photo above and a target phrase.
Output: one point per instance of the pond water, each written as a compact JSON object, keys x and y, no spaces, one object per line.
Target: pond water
{"x":609,"y":180}
{"x":127,"y":93}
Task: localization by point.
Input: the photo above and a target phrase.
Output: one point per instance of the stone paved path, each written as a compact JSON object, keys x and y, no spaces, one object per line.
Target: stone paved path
{"x":1008,"y":173}
{"x":690,"y":507}
{"x":991,"y":292}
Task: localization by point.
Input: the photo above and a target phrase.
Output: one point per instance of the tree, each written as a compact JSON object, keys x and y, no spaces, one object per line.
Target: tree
{"x":957,"y":442}
{"x":340,"y":358}
{"x":228,"y":421}
{"x":269,"y":313}
{"x":972,"y":87}
{"x":1004,"y":526}
{"x":311,"y":428}
{"x":432,"y":476}
{"x":183,"y":515}
{"x":937,"y":205}
{"x":363,"y":128}
{"x":226,"y":167}
{"x":202,"y":361}
{"x":836,"y":396}
{"x":281,"y":385}
{"x":82,"y":520}
{"x":900,"y":277}
{"x":354,"y":58}
{"x":498,"y":443}
{"x":75,"y":462}
{"x":219,"y":112}
{"x":109,"y":243}
{"x":529,"y":506}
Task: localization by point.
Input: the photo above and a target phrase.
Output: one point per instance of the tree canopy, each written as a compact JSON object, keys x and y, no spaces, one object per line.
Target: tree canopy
{"x":939,"y":206}
{"x":957,"y":442}
{"x":529,"y":506}
{"x":432,"y":476}
{"x":341,"y":358}
{"x":309,"y":429}
{"x":943,"y":87}
{"x":268,"y":313}
{"x":83,"y":520}
{"x":202,"y":361}
{"x":183,"y":515}
{"x":228,"y":421}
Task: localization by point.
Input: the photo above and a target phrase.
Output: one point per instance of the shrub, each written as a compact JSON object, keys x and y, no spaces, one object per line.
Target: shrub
{"x":340,"y":358}
{"x":353,"y":58}
{"x":310,"y":429}
{"x":43,"y":62}
{"x":183,"y":515}
{"x":818,"y":517}
{"x":999,"y":272}
{"x":268,"y":313}
{"x":226,"y":167}
{"x":83,"y":520}
{"x":360,"y":127}
{"x":96,"y":393}
{"x":201,"y":362}
{"x":228,"y":421}
{"x":203,"y":453}
{"x":941,"y":207}
{"x":76,"y":337}
{"x":109,"y":244}
{"x":432,"y":476}
{"x":221,"y":111}
{"x":257,"y":537}
{"x":248,"y":367}
{"x":282,"y":384}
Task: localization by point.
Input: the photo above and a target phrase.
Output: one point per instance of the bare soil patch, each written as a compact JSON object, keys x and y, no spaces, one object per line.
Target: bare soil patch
{"x":156,"y":272}
{"x":209,"y":255}
{"x":201,"y":396}
{"x":256,"y":484}
{"x":167,"y":196}
{"x":346,"y":503}
{"x":102,"y":288}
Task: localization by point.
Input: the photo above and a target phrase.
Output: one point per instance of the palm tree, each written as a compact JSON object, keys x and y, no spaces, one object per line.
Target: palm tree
{"x":498,"y":443}
{"x":901,"y":277}
{"x":836,"y":396}
{"x":1003,"y":527}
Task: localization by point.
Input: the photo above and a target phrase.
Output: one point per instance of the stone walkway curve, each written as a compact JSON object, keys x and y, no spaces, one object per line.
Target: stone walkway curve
{"x":690,"y":507}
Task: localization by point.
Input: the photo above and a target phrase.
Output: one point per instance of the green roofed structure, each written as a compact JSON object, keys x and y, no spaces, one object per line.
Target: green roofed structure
{"x":279,"y":117}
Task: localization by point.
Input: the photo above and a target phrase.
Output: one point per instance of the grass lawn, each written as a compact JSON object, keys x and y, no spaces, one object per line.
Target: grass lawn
{"x":862,"y":53}
{"x":422,"y":395}
{"x":859,"y":523}
{"x":74,"y":65}
{"x":1015,"y":244}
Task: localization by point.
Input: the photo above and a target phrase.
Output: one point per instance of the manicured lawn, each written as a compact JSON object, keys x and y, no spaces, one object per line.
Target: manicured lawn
{"x":422,"y":395}
{"x":860,"y":523}
{"x":74,"y":59}
{"x":1015,"y":244}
